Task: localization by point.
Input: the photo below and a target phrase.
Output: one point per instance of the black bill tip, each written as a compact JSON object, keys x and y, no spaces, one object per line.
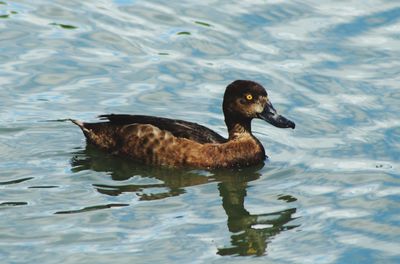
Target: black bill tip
{"x":291,"y":124}
{"x":283,"y":122}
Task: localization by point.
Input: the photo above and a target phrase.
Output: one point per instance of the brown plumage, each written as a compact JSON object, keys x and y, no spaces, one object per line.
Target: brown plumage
{"x":170,"y":142}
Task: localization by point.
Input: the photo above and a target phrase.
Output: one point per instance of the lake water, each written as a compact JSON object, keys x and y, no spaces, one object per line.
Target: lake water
{"x":330,"y":192}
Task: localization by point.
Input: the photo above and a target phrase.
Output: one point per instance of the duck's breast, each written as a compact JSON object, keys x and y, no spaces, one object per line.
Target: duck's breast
{"x":241,"y":152}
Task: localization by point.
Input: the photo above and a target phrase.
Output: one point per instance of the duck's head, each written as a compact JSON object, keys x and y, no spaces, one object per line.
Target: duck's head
{"x":245,"y":100}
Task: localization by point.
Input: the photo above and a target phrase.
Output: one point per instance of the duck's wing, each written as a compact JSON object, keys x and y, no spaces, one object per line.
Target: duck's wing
{"x":178,"y":128}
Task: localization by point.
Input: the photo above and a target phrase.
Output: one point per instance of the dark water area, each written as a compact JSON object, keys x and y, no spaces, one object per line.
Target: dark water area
{"x":329,"y":192}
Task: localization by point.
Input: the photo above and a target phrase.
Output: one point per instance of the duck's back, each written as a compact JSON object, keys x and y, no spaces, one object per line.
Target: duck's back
{"x":178,"y":128}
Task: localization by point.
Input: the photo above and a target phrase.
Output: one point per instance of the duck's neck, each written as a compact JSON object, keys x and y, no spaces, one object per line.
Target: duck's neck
{"x":238,"y":127}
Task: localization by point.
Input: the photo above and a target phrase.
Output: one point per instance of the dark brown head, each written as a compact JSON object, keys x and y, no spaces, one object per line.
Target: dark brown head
{"x":245,"y":100}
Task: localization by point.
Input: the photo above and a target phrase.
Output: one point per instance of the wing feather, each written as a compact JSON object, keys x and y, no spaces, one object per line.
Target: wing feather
{"x":178,"y":128}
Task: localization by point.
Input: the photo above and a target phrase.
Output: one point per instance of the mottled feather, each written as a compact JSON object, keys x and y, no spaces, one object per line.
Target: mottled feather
{"x":178,"y":128}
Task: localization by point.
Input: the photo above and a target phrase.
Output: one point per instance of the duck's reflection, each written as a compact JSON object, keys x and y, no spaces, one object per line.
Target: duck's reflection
{"x":250,"y":232}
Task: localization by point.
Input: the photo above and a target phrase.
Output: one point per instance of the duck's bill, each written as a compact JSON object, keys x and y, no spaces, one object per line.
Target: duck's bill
{"x":270,"y":115}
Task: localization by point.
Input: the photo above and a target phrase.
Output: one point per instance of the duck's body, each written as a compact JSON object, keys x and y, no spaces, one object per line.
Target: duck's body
{"x":181,"y":144}
{"x":177,"y":143}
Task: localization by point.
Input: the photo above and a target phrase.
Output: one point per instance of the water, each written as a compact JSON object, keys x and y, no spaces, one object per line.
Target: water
{"x":329,"y":193}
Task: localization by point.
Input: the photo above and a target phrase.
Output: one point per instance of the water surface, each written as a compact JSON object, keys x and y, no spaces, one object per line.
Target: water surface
{"x":329,"y":193}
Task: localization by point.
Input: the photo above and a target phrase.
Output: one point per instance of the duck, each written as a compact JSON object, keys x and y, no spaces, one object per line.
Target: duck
{"x":170,"y":142}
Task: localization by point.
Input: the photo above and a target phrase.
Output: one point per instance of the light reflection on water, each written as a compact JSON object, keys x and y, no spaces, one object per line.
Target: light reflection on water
{"x":329,"y":193}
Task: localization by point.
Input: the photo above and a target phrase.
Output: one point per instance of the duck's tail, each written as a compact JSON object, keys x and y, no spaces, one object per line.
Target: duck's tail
{"x":89,"y":133}
{"x":81,"y":125}
{"x":98,"y":134}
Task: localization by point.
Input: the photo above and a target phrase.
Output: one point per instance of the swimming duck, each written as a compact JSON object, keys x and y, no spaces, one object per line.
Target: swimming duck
{"x":176,"y":143}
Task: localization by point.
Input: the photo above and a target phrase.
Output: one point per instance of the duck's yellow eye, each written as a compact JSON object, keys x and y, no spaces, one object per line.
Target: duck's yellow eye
{"x":249,"y":97}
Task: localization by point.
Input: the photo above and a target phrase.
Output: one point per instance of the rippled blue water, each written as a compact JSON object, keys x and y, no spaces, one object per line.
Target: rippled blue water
{"x":329,"y":193}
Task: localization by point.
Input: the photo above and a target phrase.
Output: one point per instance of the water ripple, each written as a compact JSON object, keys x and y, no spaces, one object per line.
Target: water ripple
{"x":328,"y":194}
